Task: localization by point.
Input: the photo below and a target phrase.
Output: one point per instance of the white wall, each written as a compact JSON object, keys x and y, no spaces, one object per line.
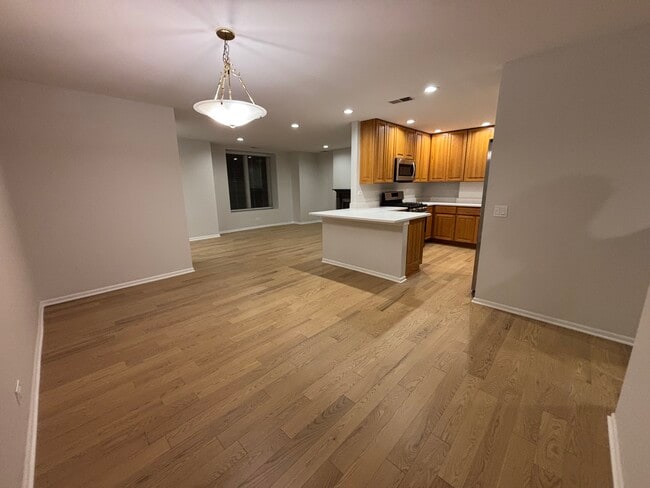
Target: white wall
{"x":198,"y":187}
{"x":571,"y":158}
{"x":327,"y":172}
{"x":341,"y":169}
{"x":95,"y":183}
{"x":294,"y":163}
{"x":315,"y":178}
{"x":632,"y":409}
{"x":19,"y":314}
{"x":281,"y":188}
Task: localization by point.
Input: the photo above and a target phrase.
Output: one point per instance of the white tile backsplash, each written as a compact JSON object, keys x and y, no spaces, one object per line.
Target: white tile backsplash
{"x":470,"y":192}
{"x":370,"y":195}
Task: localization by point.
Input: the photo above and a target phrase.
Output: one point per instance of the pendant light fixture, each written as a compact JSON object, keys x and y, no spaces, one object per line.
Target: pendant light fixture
{"x":226,"y":111}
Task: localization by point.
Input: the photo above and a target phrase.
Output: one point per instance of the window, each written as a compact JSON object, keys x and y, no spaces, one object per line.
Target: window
{"x":248,"y":181}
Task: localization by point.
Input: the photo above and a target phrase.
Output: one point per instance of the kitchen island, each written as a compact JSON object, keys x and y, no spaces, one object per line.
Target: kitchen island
{"x":386,"y":241}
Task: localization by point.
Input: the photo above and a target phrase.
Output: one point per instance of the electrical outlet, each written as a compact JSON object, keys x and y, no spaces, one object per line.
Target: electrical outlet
{"x":19,"y":392}
{"x":500,"y":211}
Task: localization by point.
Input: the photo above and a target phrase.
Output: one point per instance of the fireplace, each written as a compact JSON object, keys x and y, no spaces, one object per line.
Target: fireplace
{"x":342,"y":199}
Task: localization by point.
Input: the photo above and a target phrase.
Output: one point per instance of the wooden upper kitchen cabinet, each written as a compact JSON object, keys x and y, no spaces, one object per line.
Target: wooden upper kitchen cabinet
{"x":478,"y":141}
{"x":388,"y":140}
{"x":368,"y":148}
{"x":451,"y":156}
{"x":456,"y":157}
{"x":376,"y":151}
{"x":439,"y":157}
{"x":404,"y":142}
{"x":422,"y":156}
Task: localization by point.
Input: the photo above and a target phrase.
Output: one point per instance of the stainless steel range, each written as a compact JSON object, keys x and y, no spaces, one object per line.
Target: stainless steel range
{"x":396,"y":199}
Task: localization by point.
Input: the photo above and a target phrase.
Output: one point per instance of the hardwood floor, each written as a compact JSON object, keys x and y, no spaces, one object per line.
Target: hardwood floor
{"x":267,"y":368}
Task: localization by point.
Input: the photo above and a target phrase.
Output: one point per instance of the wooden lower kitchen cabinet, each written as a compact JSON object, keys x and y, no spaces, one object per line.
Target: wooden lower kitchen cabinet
{"x":444,"y":227}
{"x":467,"y":224}
{"x":414,"y":246}
{"x":456,"y":224}
{"x":444,"y":222}
{"x":466,"y":229}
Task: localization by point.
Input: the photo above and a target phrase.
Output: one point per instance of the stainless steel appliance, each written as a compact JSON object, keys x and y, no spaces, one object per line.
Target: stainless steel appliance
{"x":480,"y":225}
{"x":404,"y":170}
{"x":396,"y":199}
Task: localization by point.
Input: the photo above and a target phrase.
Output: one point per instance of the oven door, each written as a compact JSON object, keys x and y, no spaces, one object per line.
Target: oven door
{"x":404,"y":170}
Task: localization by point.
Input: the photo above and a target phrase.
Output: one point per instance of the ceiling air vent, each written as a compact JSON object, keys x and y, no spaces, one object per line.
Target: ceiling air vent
{"x":401,"y":100}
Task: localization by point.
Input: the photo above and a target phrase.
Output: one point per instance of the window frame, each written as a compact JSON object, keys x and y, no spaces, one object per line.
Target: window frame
{"x":270,"y":179}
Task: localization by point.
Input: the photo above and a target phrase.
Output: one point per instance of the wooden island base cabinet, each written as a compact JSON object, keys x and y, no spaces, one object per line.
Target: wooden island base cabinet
{"x":414,"y":246}
{"x":384,"y":243}
{"x":454,"y":224}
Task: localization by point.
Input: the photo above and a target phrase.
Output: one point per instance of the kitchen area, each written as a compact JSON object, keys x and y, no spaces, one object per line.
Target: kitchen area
{"x":408,"y":188}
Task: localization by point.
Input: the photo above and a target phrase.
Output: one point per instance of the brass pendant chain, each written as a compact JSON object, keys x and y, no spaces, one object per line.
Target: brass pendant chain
{"x":225,"y":77}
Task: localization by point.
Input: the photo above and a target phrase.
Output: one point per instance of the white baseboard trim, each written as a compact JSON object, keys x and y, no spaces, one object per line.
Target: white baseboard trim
{"x":308,"y":222}
{"x":255,"y":227}
{"x":203,"y":238}
{"x":614,"y":452}
{"x":612,"y":336}
{"x":105,"y":289}
{"x":396,"y":279}
{"x":29,"y":466}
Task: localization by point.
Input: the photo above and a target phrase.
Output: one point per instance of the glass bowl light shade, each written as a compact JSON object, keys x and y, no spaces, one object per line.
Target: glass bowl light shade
{"x":233,"y":113}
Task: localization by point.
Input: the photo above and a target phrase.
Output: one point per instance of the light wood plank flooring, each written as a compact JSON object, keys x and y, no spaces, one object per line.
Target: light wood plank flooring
{"x":267,"y":368}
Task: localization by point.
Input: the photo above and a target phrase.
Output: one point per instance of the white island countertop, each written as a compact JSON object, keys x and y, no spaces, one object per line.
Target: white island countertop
{"x":453,"y":204}
{"x":386,"y":215}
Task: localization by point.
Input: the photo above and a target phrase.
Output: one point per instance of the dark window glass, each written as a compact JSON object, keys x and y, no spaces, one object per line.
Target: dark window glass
{"x":258,"y":182}
{"x":248,"y":181}
{"x":236,"y":181}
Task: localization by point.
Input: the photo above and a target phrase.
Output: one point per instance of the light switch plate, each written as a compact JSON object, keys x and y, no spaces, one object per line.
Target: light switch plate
{"x":501,"y":211}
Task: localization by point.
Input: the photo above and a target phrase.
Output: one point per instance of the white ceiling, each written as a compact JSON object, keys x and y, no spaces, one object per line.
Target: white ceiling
{"x":304,"y":61}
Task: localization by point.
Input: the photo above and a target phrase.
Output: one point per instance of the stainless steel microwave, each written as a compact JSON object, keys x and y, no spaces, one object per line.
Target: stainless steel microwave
{"x":404,"y":170}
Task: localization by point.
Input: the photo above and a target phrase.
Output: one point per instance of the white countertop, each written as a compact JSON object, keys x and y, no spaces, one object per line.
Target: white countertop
{"x":386,"y":215}
{"x":454,"y":204}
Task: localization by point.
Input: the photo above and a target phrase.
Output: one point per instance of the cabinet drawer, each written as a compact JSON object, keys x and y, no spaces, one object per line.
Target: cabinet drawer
{"x":469,"y":211}
{"x":446,"y":209}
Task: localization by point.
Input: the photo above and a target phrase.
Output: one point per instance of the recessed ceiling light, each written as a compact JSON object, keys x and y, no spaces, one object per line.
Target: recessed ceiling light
{"x":240,"y":139}
{"x":348,"y":111}
{"x":485,"y":124}
{"x":325,"y":146}
{"x":430,"y":89}
{"x":295,"y":125}
{"x":437,"y":131}
{"x":410,"y":121}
